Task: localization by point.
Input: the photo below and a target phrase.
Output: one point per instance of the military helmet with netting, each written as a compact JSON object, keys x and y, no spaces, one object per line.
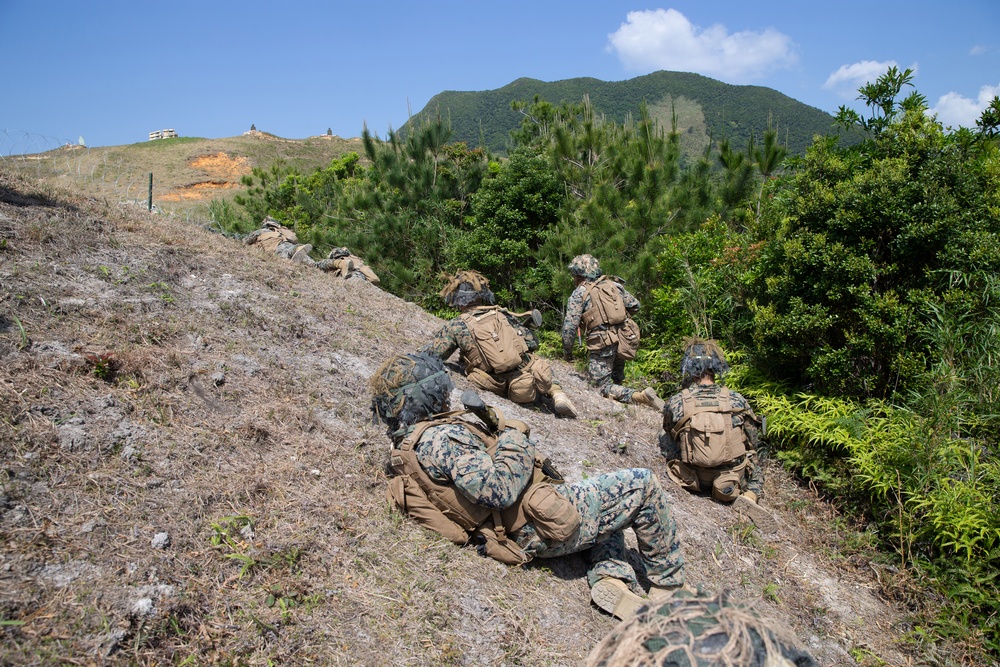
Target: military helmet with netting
{"x":270,"y":223}
{"x":585,"y":266}
{"x":408,"y":388}
{"x":702,"y":356}
{"x":338,"y":253}
{"x":468,"y":288}
{"x":698,"y":630}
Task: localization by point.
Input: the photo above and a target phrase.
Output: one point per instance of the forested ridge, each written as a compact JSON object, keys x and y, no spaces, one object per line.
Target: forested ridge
{"x":706,"y":109}
{"x":854,"y":285}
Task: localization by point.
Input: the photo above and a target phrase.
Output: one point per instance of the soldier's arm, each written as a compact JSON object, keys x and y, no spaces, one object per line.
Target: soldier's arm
{"x":668,"y":447}
{"x":445,"y":341}
{"x":253,"y":236}
{"x":631,"y":303}
{"x":522,"y":331}
{"x":494,"y":482}
{"x":574,"y":309}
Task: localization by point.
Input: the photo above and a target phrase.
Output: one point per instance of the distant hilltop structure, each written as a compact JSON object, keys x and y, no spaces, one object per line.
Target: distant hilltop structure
{"x":161,"y":134}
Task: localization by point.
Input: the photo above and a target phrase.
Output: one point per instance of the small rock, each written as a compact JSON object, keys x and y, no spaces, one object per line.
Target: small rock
{"x":219,"y":379}
{"x":142,"y":607}
{"x":160,"y":541}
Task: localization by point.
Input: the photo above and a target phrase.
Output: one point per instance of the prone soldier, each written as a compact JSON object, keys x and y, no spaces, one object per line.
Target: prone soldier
{"x":484,"y":483}
{"x":275,"y":238}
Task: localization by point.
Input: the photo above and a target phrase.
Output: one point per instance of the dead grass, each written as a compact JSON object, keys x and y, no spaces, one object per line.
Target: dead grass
{"x":237,"y":421}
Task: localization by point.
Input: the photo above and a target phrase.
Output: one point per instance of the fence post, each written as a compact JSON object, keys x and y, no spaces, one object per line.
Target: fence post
{"x":150,"y":205}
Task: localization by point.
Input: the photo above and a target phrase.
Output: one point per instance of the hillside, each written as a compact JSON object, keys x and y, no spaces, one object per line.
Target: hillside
{"x":706,"y":108}
{"x":188,"y":172}
{"x":190,"y":475}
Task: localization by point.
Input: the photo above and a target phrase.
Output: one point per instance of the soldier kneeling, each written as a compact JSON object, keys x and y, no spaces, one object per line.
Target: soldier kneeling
{"x":711,"y":436}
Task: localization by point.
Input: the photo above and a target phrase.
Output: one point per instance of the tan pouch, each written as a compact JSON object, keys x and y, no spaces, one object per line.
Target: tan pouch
{"x":507,"y":551}
{"x":554,"y":517}
{"x":628,"y":340}
{"x":411,"y":500}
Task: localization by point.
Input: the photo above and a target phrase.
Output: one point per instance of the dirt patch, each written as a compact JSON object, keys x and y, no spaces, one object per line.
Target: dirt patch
{"x":222,"y":166}
{"x":198,"y":191}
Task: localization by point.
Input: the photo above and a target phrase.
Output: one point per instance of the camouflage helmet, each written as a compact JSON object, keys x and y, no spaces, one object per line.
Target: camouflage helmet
{"x":338,"y":253}
{"x":585,"y":266}
{"x":702,"y":356}
{"x":468,"y":288}
{"x":698,"y":630}
{"x":270,"y":223}
{"x":408,"y":388}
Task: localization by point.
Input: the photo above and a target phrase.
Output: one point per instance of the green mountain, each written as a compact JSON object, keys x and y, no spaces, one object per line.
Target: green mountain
{"x":707,"y":110}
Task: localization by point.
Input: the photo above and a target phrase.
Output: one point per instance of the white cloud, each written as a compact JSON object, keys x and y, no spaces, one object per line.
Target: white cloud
{"x":954,"y":110}
{"x":846,"y":80}
{"x":978,"y":50}
{"x":664,"y":39}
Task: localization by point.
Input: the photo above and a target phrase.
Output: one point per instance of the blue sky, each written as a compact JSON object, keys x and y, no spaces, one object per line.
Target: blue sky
{"x":111,"y":72}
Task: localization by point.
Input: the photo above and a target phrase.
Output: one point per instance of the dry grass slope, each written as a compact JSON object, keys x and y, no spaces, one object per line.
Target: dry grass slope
{"x":190,"y":475}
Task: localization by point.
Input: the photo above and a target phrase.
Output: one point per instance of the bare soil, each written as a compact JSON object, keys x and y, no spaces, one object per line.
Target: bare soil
{"x":191,"y":476}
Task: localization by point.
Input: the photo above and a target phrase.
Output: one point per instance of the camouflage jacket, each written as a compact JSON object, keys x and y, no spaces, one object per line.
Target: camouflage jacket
{"x":455,"y":335}
{"x":576,"y":305}
{"x":673,"y":412}
{"x":452,"y":454}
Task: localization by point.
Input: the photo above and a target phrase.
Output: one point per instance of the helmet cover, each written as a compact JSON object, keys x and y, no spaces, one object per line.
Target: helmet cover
{"x":699,"y":630}
{"x":702,"y":356}
{"x":585,"y":266}
{"x":408,"y":388}
{"x":468,"y":288}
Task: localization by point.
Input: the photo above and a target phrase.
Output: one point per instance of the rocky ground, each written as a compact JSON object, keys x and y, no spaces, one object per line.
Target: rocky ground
{"x":190,"y":476}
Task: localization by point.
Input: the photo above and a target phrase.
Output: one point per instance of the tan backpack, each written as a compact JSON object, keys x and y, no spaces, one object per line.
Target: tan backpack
{"x":498,"y":348}
{"x":706,"y":435}
{"x":606,"y":304}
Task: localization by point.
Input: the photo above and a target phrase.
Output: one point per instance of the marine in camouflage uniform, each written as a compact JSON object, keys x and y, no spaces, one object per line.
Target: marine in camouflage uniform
{"x":344,"y":264}
{"x":605,"y":368}
{"x":699,"y":630}
{"x":469,"y":291}
{"x":275,"y":238}
{"x":740,"y":480}
{"x":409,"y":389}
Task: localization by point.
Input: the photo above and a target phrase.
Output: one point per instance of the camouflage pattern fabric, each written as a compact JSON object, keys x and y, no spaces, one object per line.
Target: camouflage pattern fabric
{"x":455,"y":335}
{"x":585,"y":266}
{"x":606,"y":371}
{"x":453,"y":453}
{"x":748,"y":421}
{"x":607,"y":504}
{"x":698,"y":630}
{"x":700,"y":357}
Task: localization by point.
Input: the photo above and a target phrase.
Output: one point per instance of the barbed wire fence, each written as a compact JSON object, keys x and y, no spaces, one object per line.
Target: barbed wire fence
{"x":100,"y":172}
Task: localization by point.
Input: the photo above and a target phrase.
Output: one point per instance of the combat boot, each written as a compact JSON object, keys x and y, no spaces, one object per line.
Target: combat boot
{"x":563,"y":405}
{"x":615,"y":597}
{"x":746,"y":503}
{"x":301,"y":254}
{"x":648,"y":397}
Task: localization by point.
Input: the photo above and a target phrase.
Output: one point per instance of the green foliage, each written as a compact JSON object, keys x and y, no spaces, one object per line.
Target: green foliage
{"x":710,"y":108}
{"x":858,"y":238}
{"x":512,"y":212}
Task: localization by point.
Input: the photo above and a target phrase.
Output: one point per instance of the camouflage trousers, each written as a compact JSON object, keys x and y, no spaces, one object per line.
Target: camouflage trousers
{"x":286,"y":249}
{"x":749,"y":477}
{"x":607,"y":372}
{"x":609,"y":504}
